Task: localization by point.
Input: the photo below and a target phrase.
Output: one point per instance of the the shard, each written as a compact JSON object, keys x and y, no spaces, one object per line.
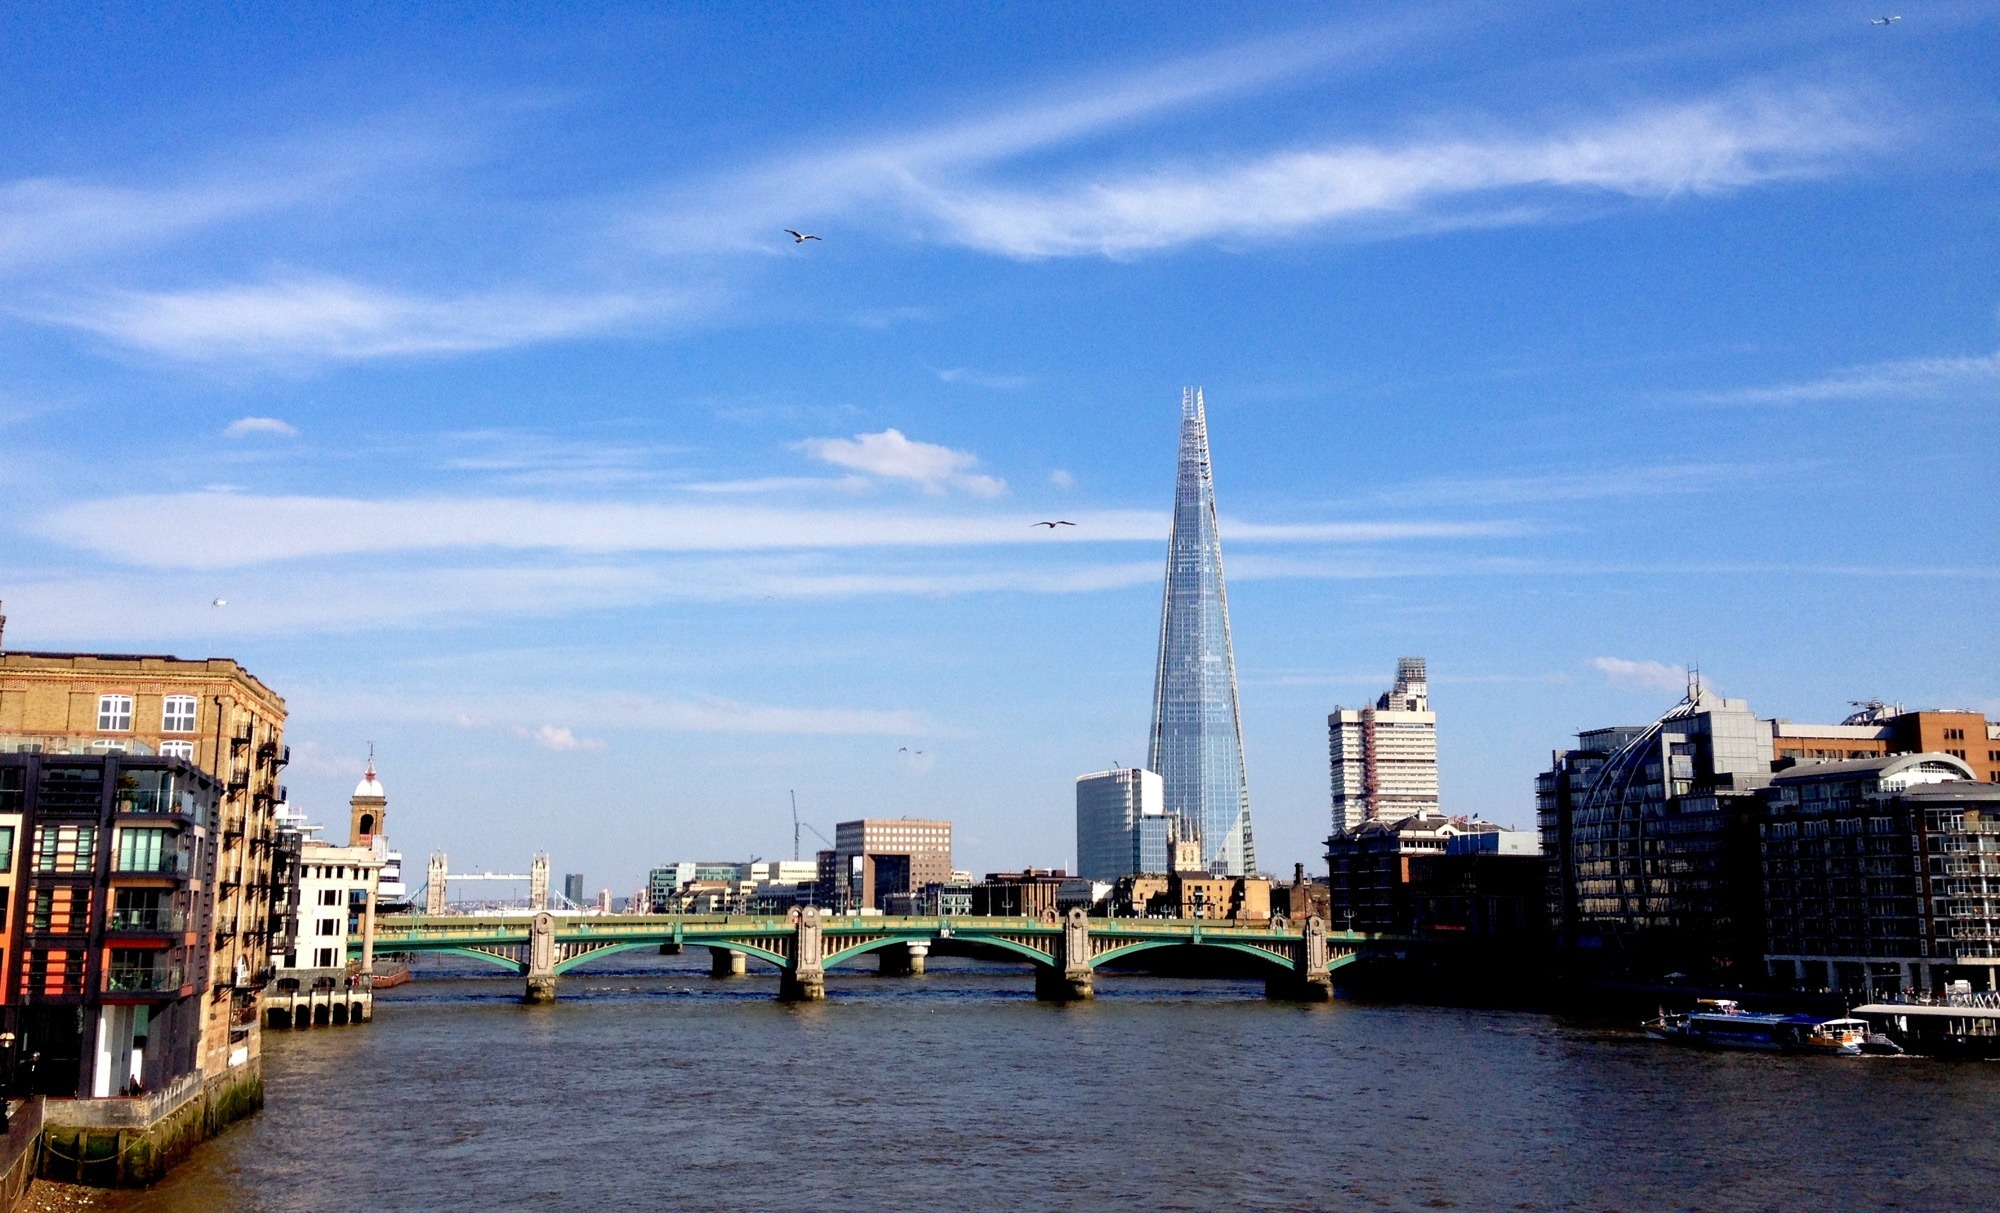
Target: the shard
{"x":1197,"y":743}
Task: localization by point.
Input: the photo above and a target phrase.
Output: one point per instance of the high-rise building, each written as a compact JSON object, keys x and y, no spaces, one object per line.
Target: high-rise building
{"x":1197,"y":739}
{"x":1121,"y":824}
{"x":1384,"y":759}
{"x":573,"y":888}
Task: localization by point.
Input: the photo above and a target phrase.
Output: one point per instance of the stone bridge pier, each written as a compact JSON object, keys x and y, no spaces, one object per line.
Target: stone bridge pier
{"x":904,"y":959}
{"x":541,"y":960}
{"x":727,"y":962}
{"x":1312,"y":979}
{"x":804,"y":980}
{"x":1070,"y":979}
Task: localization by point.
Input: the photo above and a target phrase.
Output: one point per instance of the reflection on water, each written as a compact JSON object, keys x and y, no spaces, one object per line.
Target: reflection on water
{"x":652,"y":1086}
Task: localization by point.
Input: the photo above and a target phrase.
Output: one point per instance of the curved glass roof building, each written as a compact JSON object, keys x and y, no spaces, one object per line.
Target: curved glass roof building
{"x":1197,"y":741}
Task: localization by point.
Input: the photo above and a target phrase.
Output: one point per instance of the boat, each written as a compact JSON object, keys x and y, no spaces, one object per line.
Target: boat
{"x":1721,"y":1023}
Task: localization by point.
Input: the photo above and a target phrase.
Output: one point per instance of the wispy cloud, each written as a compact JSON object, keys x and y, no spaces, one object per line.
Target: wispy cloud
{"x":781,"y":484}
{"x":892,"y":456}
{"x":1909,"y":378}
{"x":1697,"y":149}
{"x":1654,"y":674}
{"x":244,"y":427}
{"x":972,"y":378}
{"x":1617,"y":482}
{"x":334,"y":318}
{"x":623,"y":711}
{"x":223,"y":530}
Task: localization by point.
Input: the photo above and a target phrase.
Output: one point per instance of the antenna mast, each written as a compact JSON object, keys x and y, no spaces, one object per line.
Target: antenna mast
{"x":795,"y":826}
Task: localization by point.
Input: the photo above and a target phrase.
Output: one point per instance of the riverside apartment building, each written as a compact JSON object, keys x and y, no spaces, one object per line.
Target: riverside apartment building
{"x":218,"y":719}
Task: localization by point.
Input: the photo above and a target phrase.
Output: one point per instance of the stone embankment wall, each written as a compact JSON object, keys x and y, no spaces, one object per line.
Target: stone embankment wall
{"x":126,"y":1143}
{"x":21,"y":1153}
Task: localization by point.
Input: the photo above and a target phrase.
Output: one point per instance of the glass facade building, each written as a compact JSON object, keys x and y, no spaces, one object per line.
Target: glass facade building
{"x":1197,"y":741}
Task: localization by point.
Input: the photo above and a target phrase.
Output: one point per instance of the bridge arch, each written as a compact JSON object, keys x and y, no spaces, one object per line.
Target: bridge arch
{"x":748,"y":949}
{"x":1282,"y":964}
{"x":512,"y":966}
{"x":857,"y":950}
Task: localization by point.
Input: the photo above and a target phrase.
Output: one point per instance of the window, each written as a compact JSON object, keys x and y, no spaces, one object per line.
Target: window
{"x":328,"y":926}
{"x":323,"y":958}
{"x":177,"y":749}
{"x":177,"y":714}
{"x":114,"y":713}
{"x":107,"y":747}
{"x":65,"y":848}
{"x":144,"y":851}
{"x":6,"y":848}
{"x":329,"y":897}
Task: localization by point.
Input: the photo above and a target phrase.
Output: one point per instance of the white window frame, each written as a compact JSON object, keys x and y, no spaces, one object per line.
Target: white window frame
{"x":330,"y":928}
{"x":114,"y":713}
{"x":324,"y":958}
{"x":177,"y":749}
{"x":172,"y":721}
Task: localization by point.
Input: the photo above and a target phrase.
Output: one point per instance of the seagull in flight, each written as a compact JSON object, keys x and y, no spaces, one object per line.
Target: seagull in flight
{"x":1053,"y":525}
{"x":1885,"y":20}
{"x":800,"y":237}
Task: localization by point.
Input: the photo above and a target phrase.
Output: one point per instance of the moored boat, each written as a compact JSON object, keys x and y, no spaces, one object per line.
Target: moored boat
{"x":1720,"y":1023}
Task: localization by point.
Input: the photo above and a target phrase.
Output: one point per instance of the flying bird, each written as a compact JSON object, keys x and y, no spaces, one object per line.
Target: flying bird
{"x":219,"y":602}
{"x":1885,"y":20}
{"x":800,"y":237}
{"x":1053,"y":525}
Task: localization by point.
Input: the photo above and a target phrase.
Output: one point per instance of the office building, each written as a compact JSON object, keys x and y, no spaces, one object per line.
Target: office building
{"x":878,"y":857}
{"x":573,"y":888}
{"x":325,"y":973}
{"x":108,"y":894}
{"x":1197,"y":727}
{"x":727,"y":884}
{"x":1877,"y":728}
{"x":1121,"y":824}
{"x":1882,"y":873}
{"x":215,"y":715}
{"x":1384,"y":758}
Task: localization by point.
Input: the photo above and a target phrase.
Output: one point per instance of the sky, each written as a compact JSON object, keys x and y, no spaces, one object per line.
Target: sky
{"x":462,"y":353}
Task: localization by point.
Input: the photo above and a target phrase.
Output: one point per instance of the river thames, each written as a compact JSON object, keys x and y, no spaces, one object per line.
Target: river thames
{"x":651,"y":1086}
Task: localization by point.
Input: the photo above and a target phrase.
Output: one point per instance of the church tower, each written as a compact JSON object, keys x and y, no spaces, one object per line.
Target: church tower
{"x":368,"y":811}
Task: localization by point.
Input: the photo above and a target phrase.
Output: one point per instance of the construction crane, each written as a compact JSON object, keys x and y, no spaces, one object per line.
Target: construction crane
{"x":796,"y":823}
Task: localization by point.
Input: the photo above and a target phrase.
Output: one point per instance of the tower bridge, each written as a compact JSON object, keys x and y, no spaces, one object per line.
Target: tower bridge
{"x":1298,"y":959}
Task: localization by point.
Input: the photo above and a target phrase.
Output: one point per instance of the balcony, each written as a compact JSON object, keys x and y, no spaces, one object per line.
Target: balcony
{"x":163,"y":920}
{"x":149,"y":865}
{"x":142,"y":979}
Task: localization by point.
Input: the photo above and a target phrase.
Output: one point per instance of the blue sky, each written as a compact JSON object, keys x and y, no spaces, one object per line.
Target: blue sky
{"x":464,"y":355}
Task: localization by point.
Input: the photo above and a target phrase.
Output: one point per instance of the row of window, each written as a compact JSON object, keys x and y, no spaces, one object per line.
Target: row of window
{"x":177,"y":714}
{"x":73,"y":848}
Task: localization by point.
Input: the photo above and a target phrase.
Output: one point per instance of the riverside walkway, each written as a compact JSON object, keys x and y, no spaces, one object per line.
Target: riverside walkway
{"x":1297,"y":958}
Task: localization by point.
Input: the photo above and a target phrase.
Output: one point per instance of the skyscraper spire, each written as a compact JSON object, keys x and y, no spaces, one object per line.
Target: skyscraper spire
{"x":1197,"y":742}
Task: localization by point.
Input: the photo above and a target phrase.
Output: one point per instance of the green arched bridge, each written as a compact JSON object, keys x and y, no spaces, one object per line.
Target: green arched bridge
{"x":1298,"y":958}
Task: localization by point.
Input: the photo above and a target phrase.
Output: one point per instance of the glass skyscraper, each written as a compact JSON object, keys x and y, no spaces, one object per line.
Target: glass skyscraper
{"x":1197,"y":742}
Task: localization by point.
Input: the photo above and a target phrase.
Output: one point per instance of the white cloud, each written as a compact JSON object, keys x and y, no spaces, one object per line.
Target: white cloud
{"x":1704,"y":148}
{"x":781,"y":484}
{"x":323,"y":317}
{"x":1062,"y":479}
{"x":243,"y":427}
{"x":892,"y":456}
{"x":549,"y":737}
{"x":1919,"y":378}
{"x":1652,"y":674}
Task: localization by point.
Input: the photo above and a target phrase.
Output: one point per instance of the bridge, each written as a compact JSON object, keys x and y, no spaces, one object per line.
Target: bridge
{"x":1066,"y":951}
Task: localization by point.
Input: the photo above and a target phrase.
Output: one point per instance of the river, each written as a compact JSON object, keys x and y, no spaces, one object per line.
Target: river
{"x":651,"y":1086}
